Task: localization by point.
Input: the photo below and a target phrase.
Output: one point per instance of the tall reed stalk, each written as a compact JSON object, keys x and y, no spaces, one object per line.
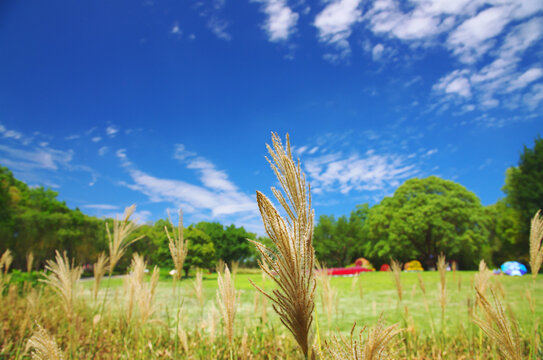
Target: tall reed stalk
{"x":178,"y":250}
{"x":227,"y":300}
{"x":536,"y":258}
{"x":99,"y":269}
{"x":43,"y":346}
{"x":396,"y":268}
{"x":291,"y":266}
{"x":29,"y":261}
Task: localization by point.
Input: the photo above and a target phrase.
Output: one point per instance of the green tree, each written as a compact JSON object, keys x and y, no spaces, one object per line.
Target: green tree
{"x":201,"y":250}
{"x":524,"y":188}
{"x":425,"y":217}
{"x":504,"y":232}
{"x":339,"y":242}
{"x":230,"y":242}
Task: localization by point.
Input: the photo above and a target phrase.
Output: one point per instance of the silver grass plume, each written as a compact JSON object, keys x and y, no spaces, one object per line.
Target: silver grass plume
{"x":375,"y":347}
{"x":292,"y":264}
{"x":118,"y":241}
{"x":99,"y":270}
{"x":498,"y":328}
{"x":63,"y":278}
{"x":227,"y":299}
{"x":44,"y":346}
{"x":536,"y":250}
{"x":178,"y":245}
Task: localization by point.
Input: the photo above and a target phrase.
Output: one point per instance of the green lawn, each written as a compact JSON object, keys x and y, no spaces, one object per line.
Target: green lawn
{"x":373,"y":294}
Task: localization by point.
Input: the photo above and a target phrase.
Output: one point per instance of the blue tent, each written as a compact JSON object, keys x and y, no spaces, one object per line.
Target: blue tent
{"x":513,"y":268}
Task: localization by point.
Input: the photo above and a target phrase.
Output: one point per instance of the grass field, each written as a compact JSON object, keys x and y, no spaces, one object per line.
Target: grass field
{"x":362,"y":298}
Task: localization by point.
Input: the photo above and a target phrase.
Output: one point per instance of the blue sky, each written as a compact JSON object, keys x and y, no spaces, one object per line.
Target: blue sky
{"x":169,"y":104}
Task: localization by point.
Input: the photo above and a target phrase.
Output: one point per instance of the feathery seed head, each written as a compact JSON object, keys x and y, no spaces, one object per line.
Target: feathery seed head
{"x":291,"y":265}
{"x":178,"y":245}
{"x":227,"y":299}
{"x":536,"y":250}
{"x":118,"y":240}
{"x":44,"y":346}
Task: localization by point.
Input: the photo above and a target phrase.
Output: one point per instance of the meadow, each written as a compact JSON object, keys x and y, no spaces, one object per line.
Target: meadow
{"x":258,"y":333}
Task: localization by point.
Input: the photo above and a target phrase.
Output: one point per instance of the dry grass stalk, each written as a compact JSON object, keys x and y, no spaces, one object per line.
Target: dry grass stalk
{"x":5,"y":261}
{"x":183,"y":338}
{"x":63,"y":279}
{"x":178,"y":245}
{"x":244,"y":350}
{"x":291,"y":266}
{"x":536,"y":250}
{"x":396,"y":268}
{"x":199,"y":287}
{"x":328,"y":295}
{"x":234,"y":267}
{"x":118,"y":241}
{"x":442,"y":268}
{"x":139,"y":293}
{"x":482,"y":278}
{"x":375,"y":347}
{"x":353,"y":283}
{"x":44,"y":346}
{"x":421,"y":284}
{"x":99,"y":270}
{"x":212,"y":324}
{"x":219,"y":267}
{"x":498,"y":328}
{"x":227,"y":299}
{"x":29,"y":261}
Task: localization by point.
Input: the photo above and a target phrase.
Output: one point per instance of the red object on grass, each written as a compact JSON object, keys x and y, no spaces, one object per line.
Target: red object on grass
{"x":346,"y":271}
{"x":385,"y":267}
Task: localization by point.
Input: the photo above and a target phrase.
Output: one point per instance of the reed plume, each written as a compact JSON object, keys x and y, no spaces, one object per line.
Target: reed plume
{"x":219,"y":267}
{"x":29,"y":261}
{"x":199,"y":288}
{"x":178,"y":245}
{"x":498,"y":328}
{"x":227,"y":299}
{"x":442,"y":269}
{"x":146,"y":296}
{"x":375,"y":347}
{"x":63,"y":279}
{"x":482,"y":278}
{"x":293,"y":260}
{"x":396,"y":268}
{"x":99,"y":270}
{"x":43,"y":346}
{"x":5,"y":261}
{"x":140,"y":293}
{"x":536,"y":250}
{"x":328,"y":294}
{"x":118,"y":241}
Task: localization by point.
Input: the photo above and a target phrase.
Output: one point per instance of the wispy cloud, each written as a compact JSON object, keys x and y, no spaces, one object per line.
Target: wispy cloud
{"x":212,"y":12}
{"x":34,"y":158}
{"x":335,"y":23}
{"x":216,"y":196}
{"x":281,"y":20}
{"x":100,"y":207}
{"x":111,"y":131}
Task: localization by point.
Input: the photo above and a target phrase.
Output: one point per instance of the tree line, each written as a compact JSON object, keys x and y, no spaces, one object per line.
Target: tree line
{"x":426,"y":217}
{"x":423,"y":218}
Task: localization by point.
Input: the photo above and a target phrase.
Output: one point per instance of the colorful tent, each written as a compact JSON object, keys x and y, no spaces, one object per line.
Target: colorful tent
{"x":413,"y":265}
{"x":513,"y":268}
{"x":385,"y":267}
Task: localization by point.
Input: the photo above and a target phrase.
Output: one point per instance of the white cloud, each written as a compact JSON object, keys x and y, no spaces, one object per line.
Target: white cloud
{"x":100,"y":206}
{"x":377,"y":52}
{"x":35,"y":158}
{"x":219,"y":28}
{"x":176,"y":30}
{"x":371,"y":172}
{"x":335,"y":23}
{"x":103,"y":150}
{"x":523,"y":80}
{"x":281,"y":21}
{"x":96,"y":139}
{"x":72,"y":137}
{"x":455,"y":83}
{"x":534,"y":97}
{"x":111,"y":131}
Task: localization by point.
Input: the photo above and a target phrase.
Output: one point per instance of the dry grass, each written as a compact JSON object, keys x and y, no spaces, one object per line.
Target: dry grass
{"x":291,"y":265}
{"x":499,"y":328}
{"x":178,"y":245}
{"x":43,"y":346}
{"x":29,"y":261}
{"x":227,"y":299}
{"x":99,"y":270}
{"x":199,"y":288}
{"x":442,"y":268}
{"x":536,"y":250}
{"x":118,"y":241}
{"x":5,"y":261}
{"x":375,"y":347}
{"x":482,"y":278}
{"x":63,"y":280}
{"x":396,"y":268}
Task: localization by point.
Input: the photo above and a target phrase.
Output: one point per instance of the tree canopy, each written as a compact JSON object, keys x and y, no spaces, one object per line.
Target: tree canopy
{"x":425,"y":217}
{"x":524,"y":186}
